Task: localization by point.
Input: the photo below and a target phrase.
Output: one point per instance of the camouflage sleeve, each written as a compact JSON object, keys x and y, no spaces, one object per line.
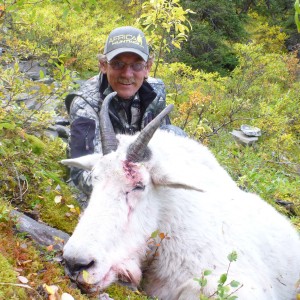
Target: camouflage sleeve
{"x":81,"y":143}
{"x":82,"y":140}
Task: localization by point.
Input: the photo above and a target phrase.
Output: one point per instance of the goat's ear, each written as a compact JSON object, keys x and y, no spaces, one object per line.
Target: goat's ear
{"x":176,"y":179}
{"x":86,"y":162}
{"x":175,"y":185}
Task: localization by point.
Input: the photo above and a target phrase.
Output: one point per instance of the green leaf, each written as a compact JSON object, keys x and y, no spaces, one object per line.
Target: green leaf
{"x":232,"y":256}
{"x":202,"y":281}
{"x":234,"y":283}
{"x":232,"y":298}
{"x":223,"y":279}
{"x":42,"y":75}
{"x":51,"y":175}
{"x":154,"y":234}
{"x":10,"y":126}
{"x":207,"y":272}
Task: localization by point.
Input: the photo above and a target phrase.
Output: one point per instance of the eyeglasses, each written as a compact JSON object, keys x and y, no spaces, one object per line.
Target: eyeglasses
{"x":119,"y":65}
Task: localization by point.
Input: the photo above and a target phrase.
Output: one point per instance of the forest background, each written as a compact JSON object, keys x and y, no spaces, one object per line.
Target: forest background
{"x":225,"y":63}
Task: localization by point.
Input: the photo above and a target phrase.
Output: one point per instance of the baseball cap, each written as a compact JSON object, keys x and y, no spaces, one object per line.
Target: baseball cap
{"x":126,"y":39}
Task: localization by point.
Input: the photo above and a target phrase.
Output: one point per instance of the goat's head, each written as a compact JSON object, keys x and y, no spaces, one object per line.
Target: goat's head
{"x":111,"y":236}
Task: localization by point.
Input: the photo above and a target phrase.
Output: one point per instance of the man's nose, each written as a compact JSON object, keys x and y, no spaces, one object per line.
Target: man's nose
{"x":127,"y":70}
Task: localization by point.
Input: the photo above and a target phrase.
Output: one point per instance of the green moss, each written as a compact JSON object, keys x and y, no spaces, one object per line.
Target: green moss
{"x":63,"y":215}
{"x":8,"y":281}
{"x":33,"y":178}
{"x":36,"y":144}
{"x":118,"y":292}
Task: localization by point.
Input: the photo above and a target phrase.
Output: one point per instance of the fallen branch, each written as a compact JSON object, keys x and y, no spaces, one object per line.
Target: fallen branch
{"x":41,"y":233}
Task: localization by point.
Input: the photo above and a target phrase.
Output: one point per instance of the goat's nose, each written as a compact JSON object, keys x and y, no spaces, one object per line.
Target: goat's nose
{"x":75,"y":266}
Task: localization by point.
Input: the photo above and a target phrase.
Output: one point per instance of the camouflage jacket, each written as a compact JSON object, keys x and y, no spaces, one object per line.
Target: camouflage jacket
{"x":126,"y":116}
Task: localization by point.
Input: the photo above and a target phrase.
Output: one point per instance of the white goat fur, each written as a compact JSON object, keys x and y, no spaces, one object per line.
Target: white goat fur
{"x":203,"y":226}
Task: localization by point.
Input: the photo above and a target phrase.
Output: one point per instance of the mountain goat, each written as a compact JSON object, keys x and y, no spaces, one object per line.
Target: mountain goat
{"x":159,"y":181}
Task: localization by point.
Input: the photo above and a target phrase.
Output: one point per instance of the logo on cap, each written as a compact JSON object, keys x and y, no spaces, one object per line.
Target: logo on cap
{"x":126,"y":39}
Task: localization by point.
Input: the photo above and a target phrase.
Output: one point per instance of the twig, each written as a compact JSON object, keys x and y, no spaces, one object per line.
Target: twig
{"x":281,"y":162}
{"x":19,"y":183}
{"x":235,"y":290}
{"x":26,"y":189}
{"x":23,"y":286}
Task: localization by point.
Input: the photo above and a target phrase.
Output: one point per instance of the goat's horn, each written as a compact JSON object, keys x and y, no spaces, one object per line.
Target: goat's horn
{"x":138,"y":150}
{"x":108,"y":137}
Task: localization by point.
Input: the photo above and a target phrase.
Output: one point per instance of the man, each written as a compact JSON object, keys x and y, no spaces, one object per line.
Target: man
{"x":124,"y":68}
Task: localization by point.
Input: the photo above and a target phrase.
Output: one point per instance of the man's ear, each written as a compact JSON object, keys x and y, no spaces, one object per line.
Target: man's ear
{"x":103,"y":66}
{"x":148,"y":67}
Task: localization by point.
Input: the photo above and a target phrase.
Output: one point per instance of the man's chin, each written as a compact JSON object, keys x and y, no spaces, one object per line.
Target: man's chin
{"x":126,"y":92}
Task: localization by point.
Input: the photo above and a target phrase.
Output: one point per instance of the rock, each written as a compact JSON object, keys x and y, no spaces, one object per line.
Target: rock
{"x":62,"y":131}
{"x":31,"y":68}
{"x":51,"y":133}
{"x":46,"y":80}
{"x":31,"y":101}
{"x":41,"y":233}
{"x":57,"y":131}
{"x":62,"y":121}
{"x":290,"y":206}
{"x":242,"y":138}
{"x":250,"y":130}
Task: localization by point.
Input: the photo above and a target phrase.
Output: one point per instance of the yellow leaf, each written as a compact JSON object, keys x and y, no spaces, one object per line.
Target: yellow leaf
{"x":57,"y":199}
{"x":77,"y":210}
{"x":49,"y":289}
{"x":87,"y":277}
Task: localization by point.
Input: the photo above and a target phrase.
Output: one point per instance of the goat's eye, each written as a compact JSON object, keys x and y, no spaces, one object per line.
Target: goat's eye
{"x":139,"y":187}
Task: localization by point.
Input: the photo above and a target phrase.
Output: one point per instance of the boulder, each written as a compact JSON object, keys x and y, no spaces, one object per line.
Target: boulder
{"x":250,"y":130}
{"x":240,"y":137}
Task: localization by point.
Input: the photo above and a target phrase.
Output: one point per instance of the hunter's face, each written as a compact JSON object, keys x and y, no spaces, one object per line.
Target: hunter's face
{"x":126,"y":73}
